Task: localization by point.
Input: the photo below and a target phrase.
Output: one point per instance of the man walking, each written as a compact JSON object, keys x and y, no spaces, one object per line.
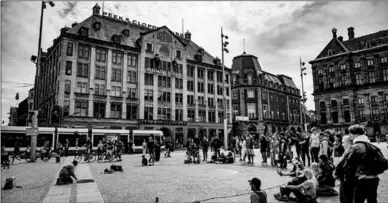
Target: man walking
{"x":217,"y":145}
{"x":205,"y":147}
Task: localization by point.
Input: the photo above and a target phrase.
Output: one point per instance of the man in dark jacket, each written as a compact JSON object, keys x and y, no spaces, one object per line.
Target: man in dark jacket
{"x":66,"y":173}
{"x":359,"y":182}
{"x":217,"y":145}
{"x":264,"y":142}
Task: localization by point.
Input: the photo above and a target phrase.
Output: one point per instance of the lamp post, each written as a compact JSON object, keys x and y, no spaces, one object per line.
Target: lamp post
{"x":304,"y":99}
{"x":37,"y":76}
{"x":224,"y":49}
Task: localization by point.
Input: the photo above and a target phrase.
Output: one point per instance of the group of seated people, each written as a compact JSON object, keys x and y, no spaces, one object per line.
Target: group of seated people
{"x":222,"y":159}
{"x":110,"y":147}
{"x":316,"y":182}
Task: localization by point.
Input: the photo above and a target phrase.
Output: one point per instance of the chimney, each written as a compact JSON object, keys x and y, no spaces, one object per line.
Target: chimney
{"x":96,"y":9}
{"x":334,"y":31}
{"x":340,"y":38}
{"x":351,"y":33}
{"x":188,"y":35}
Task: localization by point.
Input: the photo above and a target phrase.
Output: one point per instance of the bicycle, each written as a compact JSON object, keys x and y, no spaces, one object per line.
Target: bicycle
{"x":83,"y":155}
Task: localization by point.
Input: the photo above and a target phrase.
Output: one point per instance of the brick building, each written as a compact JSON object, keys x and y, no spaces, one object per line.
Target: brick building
{"x":107,"y":72}
{"x":351,"y":82}
{"x":272,"y":102}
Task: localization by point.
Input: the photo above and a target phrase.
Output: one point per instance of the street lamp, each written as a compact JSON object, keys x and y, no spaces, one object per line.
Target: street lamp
{"x":224,"y":49}
{"x":37,"y":74}
{"x":304,"y":99}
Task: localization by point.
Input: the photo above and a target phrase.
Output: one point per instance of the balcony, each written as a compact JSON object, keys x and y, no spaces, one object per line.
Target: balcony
{"x":375,"y":104}
{"x":116,"y":98}
{"x":212,"y":107}
{"x":201,"y":106}
{"x":190,"y":105}
{"x":99,"y":97}
{"x":132,"y":100}
{"x":81,"y":95}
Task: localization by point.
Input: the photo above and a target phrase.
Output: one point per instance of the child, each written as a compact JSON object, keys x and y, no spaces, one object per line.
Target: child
{"x":4,"y":157}
{"x":144,"y":161}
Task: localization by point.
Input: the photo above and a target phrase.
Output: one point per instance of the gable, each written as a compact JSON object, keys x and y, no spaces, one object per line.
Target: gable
{"x":164,"y":34}
{"x":335,"y":46}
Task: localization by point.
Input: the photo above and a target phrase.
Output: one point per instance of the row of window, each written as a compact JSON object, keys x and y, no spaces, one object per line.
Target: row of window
{"x":210,"y":74}
{"x":345,"y":102}
{"x":369,"y":62}
{"x":343,"y":80}
{"x":376,"y":115}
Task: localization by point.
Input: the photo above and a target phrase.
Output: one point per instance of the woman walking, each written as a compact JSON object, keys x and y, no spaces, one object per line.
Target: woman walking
{"x":274,"y":150}
{"x":244,"y":148}
{"x":338,"y":149}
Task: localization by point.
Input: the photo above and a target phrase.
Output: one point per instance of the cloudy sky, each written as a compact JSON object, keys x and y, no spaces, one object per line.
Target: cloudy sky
{"x":278,"y":33}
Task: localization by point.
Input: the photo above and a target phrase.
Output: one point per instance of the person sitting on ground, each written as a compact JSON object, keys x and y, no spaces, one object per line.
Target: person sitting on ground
{"x":316,"y":170}
{"x":258,"y":195}
{"x":222,"y":158}
{"x":296,"y":170}
{"x":100,"y":147}
{"x":66,"y":173}
{"x":4,"y":157}
{"x":213,"y":159}
{"x":144,"y":161}
{"x":230,"y":158}
{"x":109,"y":148}
{"x":309,"y":186}
{"x":326,"y":181}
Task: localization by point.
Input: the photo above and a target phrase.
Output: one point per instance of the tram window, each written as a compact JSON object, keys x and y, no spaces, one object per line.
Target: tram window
{"x":72,"y":139}
{"x":9,"y":139}
{"x":96,"y":139}
{"x":138,"y":140}
{"x":124,"y":139}
{"x":42,"y":138}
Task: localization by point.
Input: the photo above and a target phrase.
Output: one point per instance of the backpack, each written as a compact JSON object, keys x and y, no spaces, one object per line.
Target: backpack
{"x":8,"y":184}
{"x":374,"y":159}
{"x":314,"y":141}
{"x":262,"y":196}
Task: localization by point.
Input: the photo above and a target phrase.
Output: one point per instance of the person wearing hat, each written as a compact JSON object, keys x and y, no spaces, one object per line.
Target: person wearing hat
{"x":258,"y":195}
{"x":66,"y":173}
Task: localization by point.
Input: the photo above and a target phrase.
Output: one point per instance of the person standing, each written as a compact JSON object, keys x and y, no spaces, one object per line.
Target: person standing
{"x":250,"y":151}
{"x":67,"y":145}
{"x":157,"y":149}
{"x":326,"y":146}
{"x":304,"y":147}
{"x":217,"y":146}
{"x":274,"y":150}
{"x":244,"y":148}
{"x":378,"y":137}
{"x":283,"y":151}
{"x":297,"y":139}
{"x":314,"y":145}
{"x":130,"y":146}
{"x":264,"y":148}
{"x":338,"y":149}
{"x":168,"y":147}
{"x":16,"y":150}
{"x":197,"y":142}
{"x":205,"y":148}
{"x":144,"y":147}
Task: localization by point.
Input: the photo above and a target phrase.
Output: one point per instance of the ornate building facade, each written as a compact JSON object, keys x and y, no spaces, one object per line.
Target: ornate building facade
{"x":351,"y":82}
{"x":271,"y":102}
{"x":107,"y":72}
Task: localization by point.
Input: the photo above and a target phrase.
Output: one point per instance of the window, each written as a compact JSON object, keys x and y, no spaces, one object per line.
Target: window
{"x":82,"y":87}
{"x":164,"y":96}
{"x":346,"y":102}
{"x":67,"y":86}
{"x":371,"y":77}
{"x":66,"y":108}
{"x":83,"y":70}
{"x":374,"y":99}
{"x":235,"y":95}
{"x":178,"y":114}
{"x":126,"y":32}
{"x":358,"y":79}
{"x":83,"y":52}
{"x":319,"y":71}
{"x":190,"y":71}
{"x":176,"y":69}
{"x":99,"y":110}
{"x":100,"y":55}
{"x":357,"y":65}
{"x":251,"y":94}
{"x":116,"y":74}
{"x":251,"y":109}
{"x":331,"y":82}
{"x":116,"y":91}
{"x":385,"y":74}
{"x":384,"y":59}
{"x":178,"y":83}
{"x":322,"y":105}
{"x":191,"y":115}
{"x":333,"y":103}
{"x":386,"y":97}
{"x":69,"y":65}
{"x":115,"y":110}
{"x":178,"y":98}
{"x":347,"y":116}
{"x":210,"y":75}
{"x":331,"y":69}
{"x":190,"y":99}
{"x":99,"y":89}
{"x":227,"y":91}
{"x":132,"y":60}
{"x":100,"y":72}
{"x":343,"y":67}
{"x":132,"y":76}
{"x":131,"y":111}
{"x":219,"y":90}
{"x":329,"y":52}
{"x":211,"y":117}
{"x":164,"y":113}
{"x":227,"y":104}
{"x":117,"y":57}
{"x":375,"y":114}
{"x":220,"y":117}
{"x":132,"y":93}
{"x":219,"y":76}
{"x":320,"y":84}
{"x":210,"y":88}
{"x":148,"y":113}
{"x":149,"y":47}
{"x":226,"y":78}
{"x":361,"y":100}
{"x":190,"y":85}
{"x":360,"y":114}
{"x":178,"y":54}
{"x":81,"y":108}
{"x":370,"y":62}
{"x":220,"y":102}
{"x":200,"y":73}
{"x":149,"y":79}
{"x":343,"y":80}
{"x":249,"y":80}
{"x":147,"y":62}
{"x":202,"y":116}
{"x":149,"y":95}
{"x":164,"y":81}
{"x":201,"y":100}
{"x":323,"y":118}
{"x":69,"y":50}
{"x":201,"y":87}
{"x":210,"y":101}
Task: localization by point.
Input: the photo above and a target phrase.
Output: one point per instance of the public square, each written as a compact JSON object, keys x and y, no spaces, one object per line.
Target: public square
{"x":169,"y":179}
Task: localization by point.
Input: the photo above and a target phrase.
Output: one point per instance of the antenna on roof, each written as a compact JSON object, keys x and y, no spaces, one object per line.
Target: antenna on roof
{"x":183,"y":27}
{"x":102,"y":7}
{"x":244,"y":45}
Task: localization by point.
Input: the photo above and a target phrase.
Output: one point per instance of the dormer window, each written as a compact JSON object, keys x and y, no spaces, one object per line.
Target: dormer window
{"x":319,"y":71}
{"x":198,"y":57}
{"x":149,"y":47}
{"x":97,"y":26}
{"x":368,"y":45}
{"x":201,"y":51}
{"x":179,"y":54}
{"x":116,"y":39}
{"x":126,"y":32}
{"x":330,"y":52}
{"x":370,"y":62}
{"x":384,"y":59}
{"x":83,"y":31}
{"x":343,"y":67}
{"x":331,"y":69}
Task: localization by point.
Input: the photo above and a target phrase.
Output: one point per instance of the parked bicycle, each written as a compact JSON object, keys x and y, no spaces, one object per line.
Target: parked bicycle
{"x":106,"y":156}
{"x":82,"y":155}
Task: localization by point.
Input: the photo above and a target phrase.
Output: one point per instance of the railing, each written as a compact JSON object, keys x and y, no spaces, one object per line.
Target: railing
{"x":116,"y":98}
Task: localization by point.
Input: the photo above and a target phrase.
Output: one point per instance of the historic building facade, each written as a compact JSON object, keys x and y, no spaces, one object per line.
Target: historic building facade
{"x":271,"y":102}
{"x":351,"y":82}
{"x":106,"y":72}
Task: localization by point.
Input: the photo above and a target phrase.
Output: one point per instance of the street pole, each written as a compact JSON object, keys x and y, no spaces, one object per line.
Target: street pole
{"x":303,"y":95}
{"x":223,"y":92}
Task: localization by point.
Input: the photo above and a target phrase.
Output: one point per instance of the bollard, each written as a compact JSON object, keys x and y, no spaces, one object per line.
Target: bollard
{"x":157,"y":199}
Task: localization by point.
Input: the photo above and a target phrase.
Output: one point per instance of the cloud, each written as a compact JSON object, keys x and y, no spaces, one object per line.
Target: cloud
{"x":69,"y":8}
